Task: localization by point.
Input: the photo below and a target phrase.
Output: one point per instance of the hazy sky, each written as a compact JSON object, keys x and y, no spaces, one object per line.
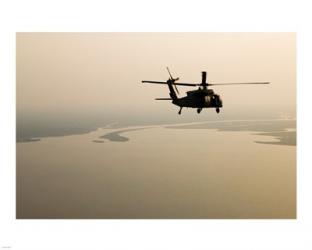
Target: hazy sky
{"x":95,"y":72}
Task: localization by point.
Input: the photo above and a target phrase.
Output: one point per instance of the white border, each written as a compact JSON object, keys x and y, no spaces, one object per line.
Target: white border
{"x":154,"y":16}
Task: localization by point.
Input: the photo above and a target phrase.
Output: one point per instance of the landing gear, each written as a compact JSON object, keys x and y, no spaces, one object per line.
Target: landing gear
{"x":217,"y":110}
{"x":199,"y":110}
{"x":180,"y":110}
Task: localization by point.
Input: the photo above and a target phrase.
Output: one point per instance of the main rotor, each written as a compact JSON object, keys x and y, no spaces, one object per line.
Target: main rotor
{"x":203,"y":83}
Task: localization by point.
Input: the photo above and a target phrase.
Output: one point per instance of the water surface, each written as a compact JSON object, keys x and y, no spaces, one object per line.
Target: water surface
{"x":159,"y":172}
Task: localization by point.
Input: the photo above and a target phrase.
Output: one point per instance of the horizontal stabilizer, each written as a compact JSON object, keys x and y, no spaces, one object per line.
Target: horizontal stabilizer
{"x":163,"y":99}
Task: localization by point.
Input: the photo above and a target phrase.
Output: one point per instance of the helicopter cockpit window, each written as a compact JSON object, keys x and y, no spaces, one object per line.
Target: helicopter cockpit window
{"x":207,"y":98}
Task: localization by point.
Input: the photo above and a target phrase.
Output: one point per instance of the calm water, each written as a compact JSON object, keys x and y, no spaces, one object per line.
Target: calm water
{"x":228,"y":170}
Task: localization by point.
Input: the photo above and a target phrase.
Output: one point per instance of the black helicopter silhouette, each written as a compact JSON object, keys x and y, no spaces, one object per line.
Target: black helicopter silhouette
{"x":199,"y":98}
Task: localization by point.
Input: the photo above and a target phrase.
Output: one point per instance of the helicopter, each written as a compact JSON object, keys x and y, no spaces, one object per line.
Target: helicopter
{"x":203,"y":97}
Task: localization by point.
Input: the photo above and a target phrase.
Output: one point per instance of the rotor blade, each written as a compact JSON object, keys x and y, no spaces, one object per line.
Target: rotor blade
{"x":209,"y":84}
{"x":186,"y":84}
{"x":174,"y":83}
{"x":157,"y":82}
{"x":169,"y":74}
{"x":237,"y":83}
{"x":163,"y":99}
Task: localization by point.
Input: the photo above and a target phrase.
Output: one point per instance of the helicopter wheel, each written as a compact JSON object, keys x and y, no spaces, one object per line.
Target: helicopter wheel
{"x":180,"y":111}
{"x":217,"y":110}
{"x":199,"y":110}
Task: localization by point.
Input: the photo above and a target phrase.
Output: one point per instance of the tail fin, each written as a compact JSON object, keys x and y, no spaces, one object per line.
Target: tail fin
{"x":172,"y":92}
{"x":170,"y":83}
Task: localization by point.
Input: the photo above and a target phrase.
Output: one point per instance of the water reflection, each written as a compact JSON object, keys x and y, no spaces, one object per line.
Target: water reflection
{"x":283,"y":137}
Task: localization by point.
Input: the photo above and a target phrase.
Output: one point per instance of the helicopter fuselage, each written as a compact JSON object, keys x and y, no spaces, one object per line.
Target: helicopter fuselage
{"x":200,"y":98}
